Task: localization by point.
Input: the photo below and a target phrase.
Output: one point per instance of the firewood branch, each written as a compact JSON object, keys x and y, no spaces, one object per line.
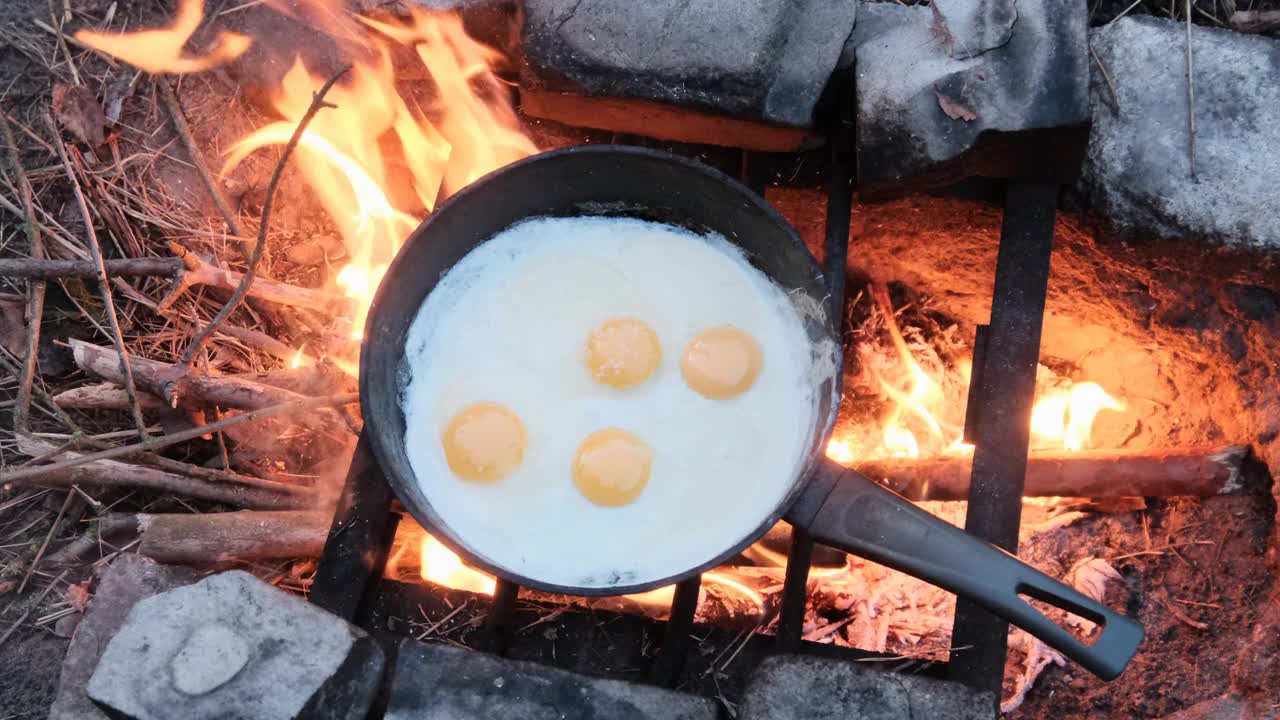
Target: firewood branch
{"x":1196,"y":471}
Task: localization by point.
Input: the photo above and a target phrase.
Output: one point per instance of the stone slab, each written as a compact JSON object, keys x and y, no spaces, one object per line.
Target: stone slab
{"x":127,"y":580}
{"x":439,"y":682}
{"x":799,"y":687}
{"x":969,"y":87}
{"x":1138,"y":171}
{"x":231,"y":647}
{"x":753,"y":60}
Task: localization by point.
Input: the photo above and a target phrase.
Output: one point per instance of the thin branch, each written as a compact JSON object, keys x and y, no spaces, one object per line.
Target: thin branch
{"x":156,"y":443}
{"x":1115,"y":97}
{"x":317,"y":102}
{"x":35,"y":562}
{"x":35,"y":604}
{"x":179,"y":119}
{"x":124,"y":267}
{"x":35,"y":290}
{"x":1191,"y":100}
{"x":104,"y":284}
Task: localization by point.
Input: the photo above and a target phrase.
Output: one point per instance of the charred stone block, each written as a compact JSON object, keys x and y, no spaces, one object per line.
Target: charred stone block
{"x":960,"y":88}
{"x":1138,"y":172}
{"x":127,"y":580}
{"x":725,"y":73}
{"x":798,"y":687}
{"x":232,"y":646}
{"x":439,"y":681}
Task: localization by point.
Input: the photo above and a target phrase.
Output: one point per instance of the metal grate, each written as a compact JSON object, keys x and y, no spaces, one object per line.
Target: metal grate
{"x":1005,"y":358}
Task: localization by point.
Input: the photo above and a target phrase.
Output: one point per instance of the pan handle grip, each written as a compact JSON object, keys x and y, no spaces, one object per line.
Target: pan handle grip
{"x":868,"y":520}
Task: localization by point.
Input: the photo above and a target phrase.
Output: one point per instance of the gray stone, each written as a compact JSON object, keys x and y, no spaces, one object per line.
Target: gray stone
{"x":799,"y":687}
{"x":232,"y":646}
{"x":753,"y":60}
{"x":210,"y":657}
{"x":439,"y":682}
{"x":969,"y":87}
{"x":127,"y":580}
{"x":1138,"y":172}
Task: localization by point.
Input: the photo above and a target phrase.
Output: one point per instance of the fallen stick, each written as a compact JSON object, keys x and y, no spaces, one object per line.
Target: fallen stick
{"x":198,"y":271}
{"x":129,"y":267}
{"x":94,"y":469}
{"x":214,"y":538}
{"x":156,"y":443}
{"x":1197,"y":472}
{"x":180,"y":387}
{"x":104,"y":396}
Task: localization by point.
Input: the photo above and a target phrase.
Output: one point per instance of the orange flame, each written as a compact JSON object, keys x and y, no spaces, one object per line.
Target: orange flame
{"x":442,"y":567}
{"x":1061,"y":417}
{"x":160,"y":50}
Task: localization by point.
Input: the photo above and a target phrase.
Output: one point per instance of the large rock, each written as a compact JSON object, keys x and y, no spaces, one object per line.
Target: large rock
{"x":439,"y":681}
{"x":969,"y":87}
{"x":1138,"y":172}
{"x":1228,"y":708}
{"x":231,"y":647}
{"x":128,"y":579}
{"x":799,"y":687}
{"x":672,"y":68}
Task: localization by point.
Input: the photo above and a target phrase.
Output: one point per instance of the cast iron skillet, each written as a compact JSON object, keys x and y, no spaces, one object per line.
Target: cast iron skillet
{"x":838,"y":506}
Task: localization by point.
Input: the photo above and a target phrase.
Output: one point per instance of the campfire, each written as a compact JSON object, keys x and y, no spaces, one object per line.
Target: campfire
{"x":208,"y":203}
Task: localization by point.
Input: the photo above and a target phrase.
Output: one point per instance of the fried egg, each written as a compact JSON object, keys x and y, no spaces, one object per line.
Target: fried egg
{"x":604,"y":402}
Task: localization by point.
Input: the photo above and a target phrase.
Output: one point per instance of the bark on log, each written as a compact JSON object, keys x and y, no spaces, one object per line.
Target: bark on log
{"x":1197,"y":472}
{"x":233,"y":536}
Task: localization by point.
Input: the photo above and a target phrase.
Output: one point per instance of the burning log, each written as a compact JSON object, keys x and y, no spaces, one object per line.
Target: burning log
{"x":1197,"y":472}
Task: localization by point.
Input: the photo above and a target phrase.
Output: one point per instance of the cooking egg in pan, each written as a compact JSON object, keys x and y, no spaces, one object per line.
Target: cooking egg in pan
{"x":605,"y":401}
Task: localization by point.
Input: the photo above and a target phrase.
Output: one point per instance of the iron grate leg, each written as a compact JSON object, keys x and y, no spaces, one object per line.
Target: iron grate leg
{"x":1003,"y":413}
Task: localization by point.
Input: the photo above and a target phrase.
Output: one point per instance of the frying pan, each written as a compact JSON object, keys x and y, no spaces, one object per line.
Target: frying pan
{"x":839,"y":507}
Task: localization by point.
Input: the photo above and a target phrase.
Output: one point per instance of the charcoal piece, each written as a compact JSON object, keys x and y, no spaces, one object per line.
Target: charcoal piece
{"x":969,"y":87}
{"x":231,"y":647}
{"x":1138,"y":171}
{"x":722,"y":73}
{"x":440,"y":681}
{"x":796,"y":687}
{"x":127,"y":580}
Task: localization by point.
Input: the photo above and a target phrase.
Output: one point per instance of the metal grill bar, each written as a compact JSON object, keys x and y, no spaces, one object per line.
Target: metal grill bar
{"x":675,"y":640}
{"x":359,"y":541}
{"x":1003,"y":414}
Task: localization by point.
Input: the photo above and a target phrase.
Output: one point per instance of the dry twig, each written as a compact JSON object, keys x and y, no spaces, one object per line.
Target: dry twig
{"x":35,"y":290}
{"x":157,"y":443}
{"x":317,"y":103}
{"x":104,"y":284}
{"x":179,"y":119}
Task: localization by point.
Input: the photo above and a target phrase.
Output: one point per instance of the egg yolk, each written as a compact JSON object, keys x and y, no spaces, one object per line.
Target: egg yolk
{"x":484,"y":442}
{"x":611,"y":467}
{"x":721,"y":362}
{"x":623,"y":352}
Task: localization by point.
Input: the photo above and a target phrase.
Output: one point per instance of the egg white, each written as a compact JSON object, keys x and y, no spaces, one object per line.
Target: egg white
{"x":509,"y":324}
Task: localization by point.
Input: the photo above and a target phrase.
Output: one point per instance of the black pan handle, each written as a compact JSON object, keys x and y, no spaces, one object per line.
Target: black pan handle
{"x":868,"y":520}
